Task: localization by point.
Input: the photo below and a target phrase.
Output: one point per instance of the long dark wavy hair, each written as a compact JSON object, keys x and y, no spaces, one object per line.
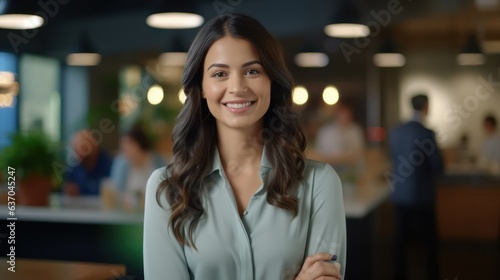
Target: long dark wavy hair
{"x":194,"y":135}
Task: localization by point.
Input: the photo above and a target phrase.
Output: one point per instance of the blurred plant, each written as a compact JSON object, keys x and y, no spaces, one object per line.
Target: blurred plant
{"x":30,"y":153}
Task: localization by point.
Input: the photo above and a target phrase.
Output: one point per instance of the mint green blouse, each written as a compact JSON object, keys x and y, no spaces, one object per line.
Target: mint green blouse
{"x":267,"y":242}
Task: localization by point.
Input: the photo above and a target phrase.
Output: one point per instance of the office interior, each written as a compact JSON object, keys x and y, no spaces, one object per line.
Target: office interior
{"x":131,"y":72}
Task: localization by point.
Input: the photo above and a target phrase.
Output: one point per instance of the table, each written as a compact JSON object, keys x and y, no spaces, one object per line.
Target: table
{"x":60,"y":270}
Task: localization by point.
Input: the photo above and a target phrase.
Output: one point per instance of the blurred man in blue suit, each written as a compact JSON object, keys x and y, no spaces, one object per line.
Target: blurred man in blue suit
{"x":417,"y":163}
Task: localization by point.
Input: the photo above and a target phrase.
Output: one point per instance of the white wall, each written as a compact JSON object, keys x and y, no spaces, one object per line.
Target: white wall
{"x":459,"y":96}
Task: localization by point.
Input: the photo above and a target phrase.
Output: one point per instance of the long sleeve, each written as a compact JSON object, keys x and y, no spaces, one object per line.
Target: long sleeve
{"x":164,"y":257}
{"x":327,"y":231}
{"x":119,"y":170}
{"x":435,"y":159}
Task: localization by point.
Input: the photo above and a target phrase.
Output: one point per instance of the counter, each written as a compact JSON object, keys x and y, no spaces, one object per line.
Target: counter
{"x":78,"y":229}
{"x":358,"y":202}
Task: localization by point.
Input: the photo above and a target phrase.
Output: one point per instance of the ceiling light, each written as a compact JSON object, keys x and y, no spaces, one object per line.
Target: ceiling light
{"x":389,"y":59}
{"x":173,"y":59}
{"x":388,"y":55}
{"x":174,"y":20}
{"x":471,"y":53}
{"x":347,"y":30}
{"x":311,"y":59}
{"x":84,"y":54}
{"x":155,"y":94}
{"x":468,"y":59}
{"x":300,"y":95}
{"x":182,"y":96}
{"x":346,"y":22}
{"x":20,"y":21}
{"x":330,"y":95}
{"x":83,"y":59}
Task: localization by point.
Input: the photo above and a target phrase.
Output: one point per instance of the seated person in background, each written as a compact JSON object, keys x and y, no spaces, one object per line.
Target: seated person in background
{"x":93,"y":165}
{"x":490,"y":151}
{"x":133,"y":166}
{"x":341,"y":142}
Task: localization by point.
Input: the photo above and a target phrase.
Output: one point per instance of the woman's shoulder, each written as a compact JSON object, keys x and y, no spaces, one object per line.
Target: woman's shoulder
{"x":158,"y":176}
{"x":320,"y":173}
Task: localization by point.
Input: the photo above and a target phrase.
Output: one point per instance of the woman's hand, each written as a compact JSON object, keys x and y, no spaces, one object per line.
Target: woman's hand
{"x":319,"y":267}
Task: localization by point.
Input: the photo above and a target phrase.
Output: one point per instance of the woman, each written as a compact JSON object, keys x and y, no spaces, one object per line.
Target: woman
{"x":239,"y":201}
{"x":131,"y":169}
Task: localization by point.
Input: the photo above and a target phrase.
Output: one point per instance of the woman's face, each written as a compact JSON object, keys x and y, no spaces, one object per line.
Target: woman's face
{"x":130,"y":148}
{"x":235,"y":84}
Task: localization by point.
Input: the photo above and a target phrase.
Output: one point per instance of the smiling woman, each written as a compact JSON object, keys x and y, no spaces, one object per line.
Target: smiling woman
{"x":239,"y":201}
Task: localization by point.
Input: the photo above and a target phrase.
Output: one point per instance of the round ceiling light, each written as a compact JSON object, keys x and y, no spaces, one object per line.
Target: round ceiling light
{"x":155,"y":94}
{"x":330,"y":95}
{"x":300,"y":95}
{"x":174,"y":20}
{"x":182,"y":96}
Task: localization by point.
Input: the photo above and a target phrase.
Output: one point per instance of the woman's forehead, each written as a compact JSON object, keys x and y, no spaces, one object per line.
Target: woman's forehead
{"x":231,"y":51}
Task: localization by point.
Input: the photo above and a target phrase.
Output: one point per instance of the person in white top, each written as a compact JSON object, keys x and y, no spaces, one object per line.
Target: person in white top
{"x":341,"y":142}
{"x":490,"y":151}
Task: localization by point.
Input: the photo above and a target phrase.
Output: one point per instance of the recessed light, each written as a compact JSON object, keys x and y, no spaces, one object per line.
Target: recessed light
{"x":300,"y":95}
{"x":155,"y":94}
{"x":182,"y":96}
{"x":330,"y":95}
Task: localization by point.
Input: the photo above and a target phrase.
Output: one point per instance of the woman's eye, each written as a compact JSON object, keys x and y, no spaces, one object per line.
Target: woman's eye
{"x":252,"y":72}
{"x":219,"y":74}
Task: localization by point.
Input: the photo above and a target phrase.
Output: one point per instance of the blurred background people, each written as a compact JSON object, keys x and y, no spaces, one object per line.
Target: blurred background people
{"x":416,"y":164}
{"x":340,"y":142}
{"x":93,"y":165}
{"x":133,"y":166}
{"x":490,"y":151}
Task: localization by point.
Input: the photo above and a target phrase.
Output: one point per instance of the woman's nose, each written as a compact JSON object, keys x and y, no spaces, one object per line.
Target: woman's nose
{"x":237,"y":84}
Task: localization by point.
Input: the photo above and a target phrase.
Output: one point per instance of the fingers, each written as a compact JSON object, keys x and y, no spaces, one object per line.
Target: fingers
{"x":322,"y":268}
{"x":338,"y":265}
{"x":318,"y":267}
{"x":314,"y":258}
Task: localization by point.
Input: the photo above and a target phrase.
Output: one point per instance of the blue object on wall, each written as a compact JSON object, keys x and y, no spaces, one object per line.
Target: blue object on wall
{"x":8,"y":115}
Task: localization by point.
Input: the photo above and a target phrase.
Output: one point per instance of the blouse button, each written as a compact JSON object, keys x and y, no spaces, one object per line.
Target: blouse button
{"x":245,"y":212}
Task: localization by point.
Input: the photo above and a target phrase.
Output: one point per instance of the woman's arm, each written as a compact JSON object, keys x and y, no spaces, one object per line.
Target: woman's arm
{"x":327,"y":227}
{"x":163,"y":256}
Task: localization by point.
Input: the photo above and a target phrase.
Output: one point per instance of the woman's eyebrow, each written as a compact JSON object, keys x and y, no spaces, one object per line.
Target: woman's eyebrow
{"x":226,"y":66}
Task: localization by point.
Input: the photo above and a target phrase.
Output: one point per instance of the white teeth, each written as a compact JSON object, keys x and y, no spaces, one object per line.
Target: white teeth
{"x":238,"y":105}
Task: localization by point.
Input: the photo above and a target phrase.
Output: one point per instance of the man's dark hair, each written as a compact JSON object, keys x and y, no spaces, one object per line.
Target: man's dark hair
{"x":419,"y":101}
{"x":490,"y":119}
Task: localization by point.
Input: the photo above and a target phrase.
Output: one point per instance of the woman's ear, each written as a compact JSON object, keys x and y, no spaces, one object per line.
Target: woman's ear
{"x":203,"y":94}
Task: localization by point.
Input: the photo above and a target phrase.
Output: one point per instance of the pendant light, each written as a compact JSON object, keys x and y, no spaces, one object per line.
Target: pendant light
{"x":174,"y":15}
{"x":388,"y":55}
{"x":15,"y":15}
{"x":346,"y":23}
{"x":84,"y":53}
{"x":471,"y":53}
